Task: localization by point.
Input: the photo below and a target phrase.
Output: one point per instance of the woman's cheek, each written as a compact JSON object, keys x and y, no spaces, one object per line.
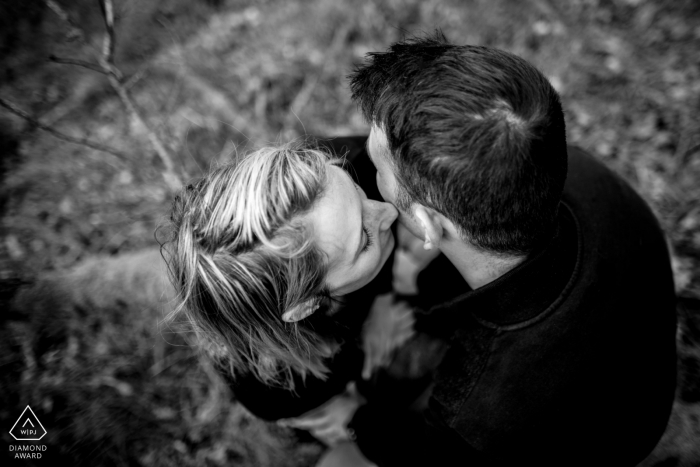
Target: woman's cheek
{"x":379,"y":257}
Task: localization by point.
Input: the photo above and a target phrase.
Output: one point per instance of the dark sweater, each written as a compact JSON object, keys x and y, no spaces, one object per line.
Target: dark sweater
{"x":568,"y":359}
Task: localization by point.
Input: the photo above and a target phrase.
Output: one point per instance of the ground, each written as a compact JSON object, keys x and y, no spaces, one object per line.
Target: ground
{"x":219,"y":77}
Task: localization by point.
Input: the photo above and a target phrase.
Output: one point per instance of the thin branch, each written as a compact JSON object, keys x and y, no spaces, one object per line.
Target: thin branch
{"x":80,"y":63}
{"x":133,"y":79}
{"x":306,"y":91}
{"x":81,"y":141}
{"x":136,"y":115}
{"x":74,"y":31}
{"x":685,"y":157}
{"x":116,"y":80}
{"x":108,"y":42}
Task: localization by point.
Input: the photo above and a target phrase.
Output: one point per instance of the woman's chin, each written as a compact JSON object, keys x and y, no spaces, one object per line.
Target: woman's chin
{"x":387,"y":246}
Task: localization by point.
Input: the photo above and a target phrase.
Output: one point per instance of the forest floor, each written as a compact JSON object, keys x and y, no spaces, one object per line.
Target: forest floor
{"x":219,"y":77}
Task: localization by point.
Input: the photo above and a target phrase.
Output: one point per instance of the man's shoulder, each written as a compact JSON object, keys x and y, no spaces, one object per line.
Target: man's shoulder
{"x":617,"y":230}
{"x":596,"y":192}
{"x":583,"y":166}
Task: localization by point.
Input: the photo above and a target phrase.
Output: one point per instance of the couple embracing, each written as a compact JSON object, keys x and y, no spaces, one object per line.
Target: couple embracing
{"x":540,"y":324}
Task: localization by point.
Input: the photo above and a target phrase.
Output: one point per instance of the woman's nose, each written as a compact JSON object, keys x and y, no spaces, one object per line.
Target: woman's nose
{"x":384,"y":214}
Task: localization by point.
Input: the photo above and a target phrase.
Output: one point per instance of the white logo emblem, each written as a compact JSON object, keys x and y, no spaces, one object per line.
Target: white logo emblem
{"x":28,"y":427}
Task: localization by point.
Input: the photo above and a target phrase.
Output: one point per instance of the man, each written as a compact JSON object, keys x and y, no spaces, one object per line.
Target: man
{"x":559,"y":316}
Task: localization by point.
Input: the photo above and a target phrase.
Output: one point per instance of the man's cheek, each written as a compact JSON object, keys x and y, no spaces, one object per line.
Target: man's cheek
{"x":411,"y":225}
{"x":380,"y":186}
{"x":386,"y":194}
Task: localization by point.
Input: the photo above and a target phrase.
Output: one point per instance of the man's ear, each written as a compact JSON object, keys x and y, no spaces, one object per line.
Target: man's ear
{"x":430,"y":222}
{"x":300,"y":311}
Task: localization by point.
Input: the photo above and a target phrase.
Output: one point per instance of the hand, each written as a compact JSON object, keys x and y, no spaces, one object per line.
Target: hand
{"x":329,"y":422}
{"x":388,"y":326}
{"x":410,"y":258}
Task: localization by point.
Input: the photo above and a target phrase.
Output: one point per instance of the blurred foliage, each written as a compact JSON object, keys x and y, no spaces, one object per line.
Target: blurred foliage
{"x":217,"y":78}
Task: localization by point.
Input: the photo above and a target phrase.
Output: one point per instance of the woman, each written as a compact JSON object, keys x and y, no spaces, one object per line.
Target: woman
{"x":267,"y":256}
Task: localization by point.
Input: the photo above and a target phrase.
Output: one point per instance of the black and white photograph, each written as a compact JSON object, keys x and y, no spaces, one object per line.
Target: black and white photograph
{"x":350,"y":233}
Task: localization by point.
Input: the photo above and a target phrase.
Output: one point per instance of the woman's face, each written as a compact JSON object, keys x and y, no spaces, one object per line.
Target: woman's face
{"x":353,"y":231}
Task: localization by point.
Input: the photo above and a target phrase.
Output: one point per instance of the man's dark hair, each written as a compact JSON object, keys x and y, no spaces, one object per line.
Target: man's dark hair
{"x":475,"y":133}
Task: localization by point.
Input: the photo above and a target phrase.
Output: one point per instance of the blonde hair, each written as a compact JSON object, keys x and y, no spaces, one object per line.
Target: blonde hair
{"x":241,"y":256}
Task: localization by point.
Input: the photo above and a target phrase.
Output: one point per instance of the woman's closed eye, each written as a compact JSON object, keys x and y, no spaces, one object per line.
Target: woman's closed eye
{"x":368,"y":236}
{"x":368,"y":239}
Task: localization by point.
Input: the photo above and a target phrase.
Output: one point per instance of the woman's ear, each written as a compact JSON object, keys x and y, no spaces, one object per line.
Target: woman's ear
{"x":300,"y":311}
{"x":431,"y":224}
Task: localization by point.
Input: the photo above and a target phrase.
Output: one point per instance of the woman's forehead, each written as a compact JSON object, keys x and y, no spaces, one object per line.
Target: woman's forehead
{"x":336,"y":217}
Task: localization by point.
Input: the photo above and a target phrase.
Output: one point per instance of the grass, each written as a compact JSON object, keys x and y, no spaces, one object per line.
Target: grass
{"x":85,"y":348}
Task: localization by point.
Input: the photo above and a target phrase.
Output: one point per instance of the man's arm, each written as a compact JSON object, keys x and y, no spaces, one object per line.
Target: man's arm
{"x":391,"y":436}
{"x":388,"y":326}
{"x":329,"y":422}
{"x":273,"y":403}
{"x":401,"y":422}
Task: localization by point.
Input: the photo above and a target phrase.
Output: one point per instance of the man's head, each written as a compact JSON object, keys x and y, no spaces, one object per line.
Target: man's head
{"x":473,"y":133}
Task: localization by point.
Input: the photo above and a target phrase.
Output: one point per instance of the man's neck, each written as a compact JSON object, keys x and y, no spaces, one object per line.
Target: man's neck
{"x":476,"y":266}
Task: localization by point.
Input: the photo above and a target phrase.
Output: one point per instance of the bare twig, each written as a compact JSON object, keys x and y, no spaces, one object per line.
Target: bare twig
{"x":116,"y":80}
{"x":82,"y":141}
{"x":74,"y":31}
{"x":686,"y":155}
{"x":306,"y":91}
{"x":108,"y":42}
{"x":80,"y":63}
{"x":133,"y":79}
{"x":152,"y":137}
{"x":61,"y":13}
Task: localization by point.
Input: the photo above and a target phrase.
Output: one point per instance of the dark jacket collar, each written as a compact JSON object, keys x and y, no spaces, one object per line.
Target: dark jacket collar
{"x":520,"y":296}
